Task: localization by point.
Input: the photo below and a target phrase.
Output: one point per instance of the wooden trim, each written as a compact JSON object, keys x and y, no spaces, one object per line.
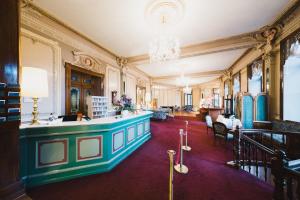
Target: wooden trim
{"x":82,"y":70}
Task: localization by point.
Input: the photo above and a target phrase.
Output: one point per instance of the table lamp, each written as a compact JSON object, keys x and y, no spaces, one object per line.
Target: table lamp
{"x":34,"y":85}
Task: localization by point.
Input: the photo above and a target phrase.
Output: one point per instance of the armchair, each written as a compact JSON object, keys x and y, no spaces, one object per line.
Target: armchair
{"x":220,"y":130}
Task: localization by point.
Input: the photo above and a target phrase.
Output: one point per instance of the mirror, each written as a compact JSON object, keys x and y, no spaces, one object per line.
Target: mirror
{"x":140,"y":96}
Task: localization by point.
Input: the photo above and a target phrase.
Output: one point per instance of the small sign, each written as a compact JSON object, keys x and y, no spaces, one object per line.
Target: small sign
{"x":13,"y":94}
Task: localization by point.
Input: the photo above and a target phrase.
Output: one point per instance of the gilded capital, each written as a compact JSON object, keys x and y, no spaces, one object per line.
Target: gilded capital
{"x":122,"y":61}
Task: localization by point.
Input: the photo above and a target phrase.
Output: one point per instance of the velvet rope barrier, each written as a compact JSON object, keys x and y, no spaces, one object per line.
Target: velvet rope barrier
{"x":186,"y":147}
{"x":180,"y":167}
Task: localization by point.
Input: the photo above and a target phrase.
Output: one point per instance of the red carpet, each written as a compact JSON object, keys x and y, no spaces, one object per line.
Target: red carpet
{"x":144,"y":175}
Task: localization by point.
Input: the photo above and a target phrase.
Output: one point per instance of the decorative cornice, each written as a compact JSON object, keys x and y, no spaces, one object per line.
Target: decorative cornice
{"x":29,"y":4}
{"x":191,"y":75}
{"x":242,"y":41}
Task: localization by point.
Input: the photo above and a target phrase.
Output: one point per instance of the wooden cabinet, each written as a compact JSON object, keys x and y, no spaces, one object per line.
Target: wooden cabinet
{"x":11,"y":186}
{"x":81,"y":83}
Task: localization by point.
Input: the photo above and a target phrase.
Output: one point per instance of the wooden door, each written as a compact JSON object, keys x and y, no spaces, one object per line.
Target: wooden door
{"x":81,"y":83}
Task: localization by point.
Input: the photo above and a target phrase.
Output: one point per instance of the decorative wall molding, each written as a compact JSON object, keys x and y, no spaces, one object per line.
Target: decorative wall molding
{"x":56,"y":70}
{"x":88,"y":62}
{"x":34,"y":19}
{"x":191,"y":75}
{"x":28,"y":4}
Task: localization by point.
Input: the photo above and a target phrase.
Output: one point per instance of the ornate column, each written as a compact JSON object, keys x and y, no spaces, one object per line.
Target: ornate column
{"x":122,"y":62}
{"x":271,"y":70}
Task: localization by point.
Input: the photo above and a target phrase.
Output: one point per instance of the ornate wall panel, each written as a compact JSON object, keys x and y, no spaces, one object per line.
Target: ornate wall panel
{"x":89,"y":148}
{"x":118,"y":141}
{"x":130,"y":134}
{"x":51,"y":152}
{"x":40,"y":52}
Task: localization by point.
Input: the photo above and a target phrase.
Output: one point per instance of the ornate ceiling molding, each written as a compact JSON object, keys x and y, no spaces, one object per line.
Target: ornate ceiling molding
{"x":35,"y":19}
{"x":88,"y":62}
{"x":191,"y":75}
{"x":242,"y":41}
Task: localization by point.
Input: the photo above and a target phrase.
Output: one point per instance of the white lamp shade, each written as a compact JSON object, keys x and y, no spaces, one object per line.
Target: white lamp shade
{"x":34,"y":82}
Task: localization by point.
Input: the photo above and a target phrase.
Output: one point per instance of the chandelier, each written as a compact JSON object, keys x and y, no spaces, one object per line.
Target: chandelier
{"x":164,"y":48}
{"x":187,"y":90}
{"x":162,"y":15}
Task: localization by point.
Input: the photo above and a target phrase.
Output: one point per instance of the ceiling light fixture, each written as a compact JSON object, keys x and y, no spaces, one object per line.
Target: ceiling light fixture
{"x":162,"y":15}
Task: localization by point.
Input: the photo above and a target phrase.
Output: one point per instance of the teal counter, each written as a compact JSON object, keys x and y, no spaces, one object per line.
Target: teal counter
{"x":57,"y":152}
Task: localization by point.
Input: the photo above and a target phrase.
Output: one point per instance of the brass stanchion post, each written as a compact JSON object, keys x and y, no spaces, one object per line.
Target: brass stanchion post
{"x":180,"y":167}
{"x":186,"y":147}
{"x":171,"y":156}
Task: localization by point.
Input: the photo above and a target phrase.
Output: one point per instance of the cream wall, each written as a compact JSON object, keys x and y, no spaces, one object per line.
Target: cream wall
{"x":166,"y":96}
{"x":47,"y":44}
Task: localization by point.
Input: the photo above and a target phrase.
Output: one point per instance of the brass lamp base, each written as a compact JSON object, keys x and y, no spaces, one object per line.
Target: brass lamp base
{"x":35,"y":112}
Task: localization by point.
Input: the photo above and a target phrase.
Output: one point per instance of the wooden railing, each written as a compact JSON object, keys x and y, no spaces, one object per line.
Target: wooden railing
{"x":258,"y":152}
{"x":286,"y":177}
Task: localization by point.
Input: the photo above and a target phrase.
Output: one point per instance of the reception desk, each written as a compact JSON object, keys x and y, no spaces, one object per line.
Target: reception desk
{"x":66,"y":150}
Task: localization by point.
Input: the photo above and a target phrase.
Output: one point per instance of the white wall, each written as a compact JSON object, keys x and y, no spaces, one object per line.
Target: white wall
{"x":37,"y":51}
{"x":130,"y":87}
{"x":167,"y":96}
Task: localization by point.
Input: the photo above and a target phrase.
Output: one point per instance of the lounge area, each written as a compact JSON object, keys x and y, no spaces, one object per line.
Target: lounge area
{"x":149,"y":99}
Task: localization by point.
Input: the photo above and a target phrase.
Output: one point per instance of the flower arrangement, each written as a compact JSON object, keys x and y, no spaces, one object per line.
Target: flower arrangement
{"x":125,"y":103}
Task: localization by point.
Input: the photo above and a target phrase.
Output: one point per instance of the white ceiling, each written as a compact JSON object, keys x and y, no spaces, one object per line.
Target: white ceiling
{"x":202,"y":63}
{"x":120,"y":26}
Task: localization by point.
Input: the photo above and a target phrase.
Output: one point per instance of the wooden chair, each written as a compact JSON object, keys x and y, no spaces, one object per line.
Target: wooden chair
{"x":220,"y":130}
{"x":209,"y":124}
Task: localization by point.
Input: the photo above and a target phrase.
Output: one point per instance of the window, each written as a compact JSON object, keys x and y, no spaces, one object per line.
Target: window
{"x":255,"y":77}
{"x":188,"y":99}
{"x":236,"y":88}
{"x":236,"y":84}
{"x":216,"y":97}
{"x":290,"y":71}
{"x":226,"y":88}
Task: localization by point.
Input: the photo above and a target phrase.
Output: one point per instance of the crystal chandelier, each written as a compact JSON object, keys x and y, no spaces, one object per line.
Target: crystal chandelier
{"x":187,"y":90}
{"x":162,"y":15}
{"x":164,"y":48}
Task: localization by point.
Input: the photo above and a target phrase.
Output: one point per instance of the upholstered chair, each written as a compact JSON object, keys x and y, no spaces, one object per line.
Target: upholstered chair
{"x":209,"y":124}
{"x":220,"y":130}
